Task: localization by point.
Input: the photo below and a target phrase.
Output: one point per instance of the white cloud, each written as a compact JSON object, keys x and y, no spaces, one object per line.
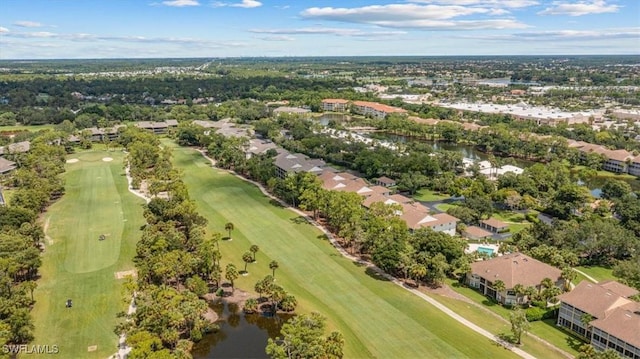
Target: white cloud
{"x":512,"y":4}
{"x":38,"y":34}
{"x":391,"y":12}
{"x":276,"y":38}
{"x":565,"y":35}
{"x":580,"y":8}
{"x":248,"y":4}
{"x":328,"y":31}
{"x":181,"y":3}
{"x":3,"y":30}
{"x":28,"y":24}
{"x":82,"y":37}
{"x":425,"y":17}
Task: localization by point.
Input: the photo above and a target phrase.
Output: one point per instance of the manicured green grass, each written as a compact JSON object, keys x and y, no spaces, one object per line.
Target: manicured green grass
{"x":377,"y":318}
{"x":444,"y":206}
{"x":598,"y":273}
{"x":517,"y":227}
{"x":77,"y":266}
{"x":516,"y":221}
{"x":428,"y":195}
{"x":548,"y":330}
{"x":496,"y":326}
{"x":479,"y":298}
{"x":25,"y":128}
{"x":545,"y":330}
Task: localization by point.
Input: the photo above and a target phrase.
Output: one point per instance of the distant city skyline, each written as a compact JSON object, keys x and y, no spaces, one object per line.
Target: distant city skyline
{"x":46,"y":29}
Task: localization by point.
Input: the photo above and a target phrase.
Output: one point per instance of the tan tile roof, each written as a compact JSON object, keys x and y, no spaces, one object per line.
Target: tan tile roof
{"x":379,"y":107}
{"x":378,"y":198}
{"x":477,"y":232}
{"x":335,"y":100}
{"x":622,"y":323}
{"x":400,"y":198}
{"x":618,"y":155}
{"x":619,"y":288}
{"x":515,"y":268}
{"x":593,"y":299}
{"x":379,"y":190}
{"x":495,"y":223}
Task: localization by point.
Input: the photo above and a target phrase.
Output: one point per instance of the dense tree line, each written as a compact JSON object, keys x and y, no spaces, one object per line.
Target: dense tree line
{"x":176,"y":262}
{"x":35,"y":184}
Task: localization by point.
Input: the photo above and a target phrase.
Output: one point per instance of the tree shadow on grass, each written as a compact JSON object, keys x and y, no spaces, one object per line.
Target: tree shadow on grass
{"x":375,"y":275}
{"x":299,"y":220}
{"x":275,"y":203}
{"x":323,"y":237}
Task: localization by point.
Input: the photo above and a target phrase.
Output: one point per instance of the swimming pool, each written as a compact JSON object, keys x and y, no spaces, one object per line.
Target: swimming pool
{"x":485,"y":250}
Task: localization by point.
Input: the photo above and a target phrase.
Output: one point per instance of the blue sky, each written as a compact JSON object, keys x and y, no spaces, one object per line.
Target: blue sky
{"x":33,"y":29}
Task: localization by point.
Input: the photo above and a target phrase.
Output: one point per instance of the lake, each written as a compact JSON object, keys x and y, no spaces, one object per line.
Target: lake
{"x":241,"y":335}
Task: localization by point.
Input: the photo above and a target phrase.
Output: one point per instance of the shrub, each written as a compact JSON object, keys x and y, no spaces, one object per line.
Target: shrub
{"x":534,"y":314}
{"x":539,"y":303}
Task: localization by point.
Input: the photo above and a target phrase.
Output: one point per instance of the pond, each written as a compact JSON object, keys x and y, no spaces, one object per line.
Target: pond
{"x":336,"y":117}
{"x":240,"y":335}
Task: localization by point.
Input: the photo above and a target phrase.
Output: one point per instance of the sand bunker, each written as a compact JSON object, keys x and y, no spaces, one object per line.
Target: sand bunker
{"x":72,"y":160}
{"x":127,"y":273}
{"x":107,"y":159}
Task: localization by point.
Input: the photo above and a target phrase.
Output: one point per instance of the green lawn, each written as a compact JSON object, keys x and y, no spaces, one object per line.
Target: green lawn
{"x":598,"y":273}
{"x":76,"y":265}
{"x":515,"y":220}
{"x":496,"y":326}
{"x":25,"y":128}
{"x":548,"y":330}
{"x":444,"y":206}
{"x":545,"y":330}
{"x":428,"y":195}
{"x":377,"y":318}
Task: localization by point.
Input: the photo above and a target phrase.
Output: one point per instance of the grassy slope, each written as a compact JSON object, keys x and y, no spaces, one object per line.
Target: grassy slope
{"x":377,"y":318}
{"x":544,"y":330}
{"x":495,"y":326}
{"x":598,"y":273}
{"x":80,"y":267}
{"x":428,"y":195}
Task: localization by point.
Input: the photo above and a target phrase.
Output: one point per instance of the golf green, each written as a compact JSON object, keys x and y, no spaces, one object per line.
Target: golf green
{"x":79,"y":265}
{"x":377,"y":318}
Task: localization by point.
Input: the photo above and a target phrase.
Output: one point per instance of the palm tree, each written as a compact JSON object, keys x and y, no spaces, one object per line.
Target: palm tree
{"x":568,"y":275}
{"x":277,"y":295}
{"x":250,"y":306}
{"x":546,"y":283}
{"x":520,"y":291}
{"x":586,"y":320}
{"x":231,"y":274}
{"x":247,"y":258}
{"x":289,"y":303}
{"x":499,"y":286}
{"x":531,"y":292}
{"x":551,"y":294}
{"x":254,"y":249}
{"x":418,"y":271}
{"x":273,"y":266}
{"x":229,"y":227}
